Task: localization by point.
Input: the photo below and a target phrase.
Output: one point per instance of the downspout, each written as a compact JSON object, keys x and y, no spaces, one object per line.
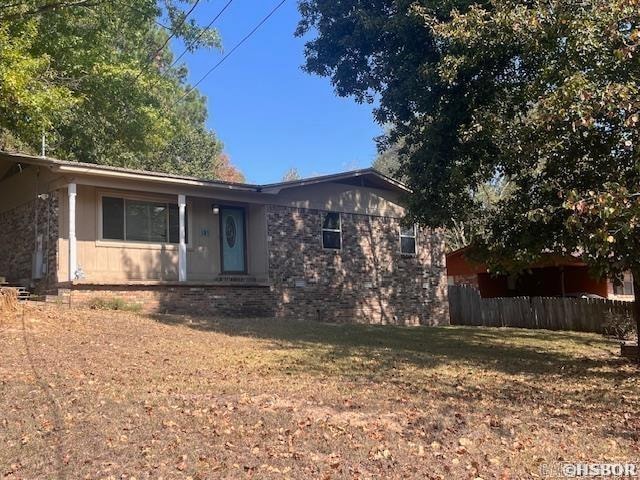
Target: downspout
{"x":636,"y":307}
{"x":46,"y":254}
{"x":34,"y":258}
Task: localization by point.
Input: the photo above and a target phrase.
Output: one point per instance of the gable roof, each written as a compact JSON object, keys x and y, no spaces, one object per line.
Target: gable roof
{"x":363,"y":177}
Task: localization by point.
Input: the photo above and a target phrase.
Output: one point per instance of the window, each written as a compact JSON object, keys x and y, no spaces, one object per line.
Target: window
{"x":141,"y":221}
{"x":626,"y":287}
{"x":408,"y":240}
{"x":332,"y":231}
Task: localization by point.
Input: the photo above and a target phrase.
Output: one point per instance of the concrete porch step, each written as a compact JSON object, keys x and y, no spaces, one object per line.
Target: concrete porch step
{"x":22,"y":291}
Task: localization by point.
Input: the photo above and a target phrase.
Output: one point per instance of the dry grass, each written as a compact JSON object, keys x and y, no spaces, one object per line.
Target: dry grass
{"x":8,"y":300}
{"x":96,"y":394}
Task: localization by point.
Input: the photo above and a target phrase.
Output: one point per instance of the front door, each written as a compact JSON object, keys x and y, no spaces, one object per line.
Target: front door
{"x":232,"y":240}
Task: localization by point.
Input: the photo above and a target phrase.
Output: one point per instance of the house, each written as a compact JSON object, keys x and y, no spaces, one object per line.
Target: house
{"x":551,"y":276}
{"x":330,"y":248}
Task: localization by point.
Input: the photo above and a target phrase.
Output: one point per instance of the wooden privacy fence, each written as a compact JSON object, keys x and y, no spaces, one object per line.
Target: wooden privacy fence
{"x":466,"y":307}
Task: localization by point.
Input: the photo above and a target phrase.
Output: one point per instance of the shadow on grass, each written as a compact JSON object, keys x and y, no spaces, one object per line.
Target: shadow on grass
{"x":513,"y":351}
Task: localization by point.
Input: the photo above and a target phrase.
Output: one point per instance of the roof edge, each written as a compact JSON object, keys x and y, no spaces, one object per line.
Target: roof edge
{"x":274,"y":188}
{"x":93,"y":168}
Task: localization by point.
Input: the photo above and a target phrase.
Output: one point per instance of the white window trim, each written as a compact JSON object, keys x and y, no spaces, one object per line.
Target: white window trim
{"x":626,"y":277}
{"x":415,"y":238}
{"x":109,"y":242}
{"x":322,"y":230}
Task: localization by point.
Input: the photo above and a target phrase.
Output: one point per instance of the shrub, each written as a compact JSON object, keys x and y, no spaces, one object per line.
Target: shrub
{"x":114,"y":303}
{"x":620,"y":325}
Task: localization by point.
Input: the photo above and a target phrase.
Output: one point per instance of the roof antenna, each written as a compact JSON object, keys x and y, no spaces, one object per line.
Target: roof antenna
{"x":44,"y":144}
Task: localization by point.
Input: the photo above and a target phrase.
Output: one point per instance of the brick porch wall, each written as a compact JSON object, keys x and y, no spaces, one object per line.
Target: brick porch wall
{"x":18,"y":240}
{"x":368,"y":281}
{"x":231,"y":301}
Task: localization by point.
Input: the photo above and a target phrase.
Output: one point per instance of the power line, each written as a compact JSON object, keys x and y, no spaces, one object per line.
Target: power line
{"x":166,"y":42}
{"x":246,"y":37}
{"x":192,"y":43}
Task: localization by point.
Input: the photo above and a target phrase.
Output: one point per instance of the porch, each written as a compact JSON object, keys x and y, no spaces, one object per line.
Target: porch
{"x":134,"y":235}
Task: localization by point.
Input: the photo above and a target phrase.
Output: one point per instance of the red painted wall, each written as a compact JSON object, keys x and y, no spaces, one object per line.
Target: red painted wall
{"x":491,"y":286}
{"x":577,"y":279}
{"x":544,"y":281}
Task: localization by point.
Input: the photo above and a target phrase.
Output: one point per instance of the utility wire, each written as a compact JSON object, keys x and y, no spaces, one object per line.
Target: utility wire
{"x":166,"y":42}
{"x":190,"y":45}
{"x":246,"y":37}
{"x":193,"y":42}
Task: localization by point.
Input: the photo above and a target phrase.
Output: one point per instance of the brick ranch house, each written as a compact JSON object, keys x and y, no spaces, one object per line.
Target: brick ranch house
{"x":330,"y":248}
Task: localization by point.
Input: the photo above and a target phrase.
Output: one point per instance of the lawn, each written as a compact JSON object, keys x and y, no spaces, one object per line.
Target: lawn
{"x":102,"y":394}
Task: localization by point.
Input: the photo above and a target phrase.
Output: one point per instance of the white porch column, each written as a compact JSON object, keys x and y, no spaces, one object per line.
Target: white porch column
{"x":73,"y":259}
{"x":182,"y":249}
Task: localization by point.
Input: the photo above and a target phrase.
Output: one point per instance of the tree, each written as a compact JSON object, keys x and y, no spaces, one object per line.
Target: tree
{"x":226,"y":171}
{"x":458,"y":233}
{"x":98,"y":78}
{"x":543,"y":93}
{"x":388,"y":160}
{"x":291,"y":175}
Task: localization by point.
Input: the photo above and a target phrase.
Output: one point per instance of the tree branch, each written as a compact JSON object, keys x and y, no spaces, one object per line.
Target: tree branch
{"x":51,"y":6}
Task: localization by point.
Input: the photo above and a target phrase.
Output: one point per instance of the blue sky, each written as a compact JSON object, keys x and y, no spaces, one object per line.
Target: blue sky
{"x":270,"y":114}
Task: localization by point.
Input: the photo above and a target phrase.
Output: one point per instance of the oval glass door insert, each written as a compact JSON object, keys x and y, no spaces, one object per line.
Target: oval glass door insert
{"x":230,"y":231}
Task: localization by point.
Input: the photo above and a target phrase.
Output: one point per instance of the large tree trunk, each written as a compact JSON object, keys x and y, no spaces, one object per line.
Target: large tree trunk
{"x":636,"y":307}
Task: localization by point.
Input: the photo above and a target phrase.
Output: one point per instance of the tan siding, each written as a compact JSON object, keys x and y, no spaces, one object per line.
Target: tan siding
{"x":257,"y":239}
{"x":106,"y":261}
{"x":342,"y":198}
{"x":203,"y":256}
{"x":23,"y":187}
{"x":324,"y":196}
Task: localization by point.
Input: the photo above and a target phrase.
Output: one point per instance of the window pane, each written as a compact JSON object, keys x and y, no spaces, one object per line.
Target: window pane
{"x":158,"y":222}
{"x":146,"y":221}
{"x":137,"y":221}
{"x":331,"y":239}
{"x":331,"y":221}
{"x":408,"y":231}
{"x":408,"y":245}
{"x":174,"y":224}
{"x":112,"y":218}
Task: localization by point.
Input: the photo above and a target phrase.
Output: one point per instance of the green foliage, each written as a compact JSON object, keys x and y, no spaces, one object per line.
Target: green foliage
{"x":388,"y":160}
{"x":97,"y":77}
{"x":113,"y":303}
{"x":458,"y":233}
{"x":619,"y":325}
{"x":545,"y":94}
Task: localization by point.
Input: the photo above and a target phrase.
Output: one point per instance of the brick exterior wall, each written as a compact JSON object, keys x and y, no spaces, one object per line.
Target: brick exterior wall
{"x":18,"y":241}
{"x":367,"y":281}
{"x":230,"y":301}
